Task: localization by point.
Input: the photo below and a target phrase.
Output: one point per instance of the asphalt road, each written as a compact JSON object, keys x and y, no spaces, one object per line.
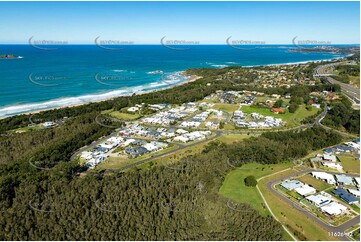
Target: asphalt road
{"x":350,"y":91}
{"x":334,"y":229}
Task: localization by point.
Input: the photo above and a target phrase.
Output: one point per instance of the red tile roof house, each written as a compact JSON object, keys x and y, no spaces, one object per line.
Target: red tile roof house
{"x":278,"y":110}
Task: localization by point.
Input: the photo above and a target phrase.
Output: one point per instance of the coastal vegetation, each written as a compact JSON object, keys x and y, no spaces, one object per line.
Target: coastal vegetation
{"x":182,"y":200}
{"x":342,"y":116}
{"x":185,"y":200}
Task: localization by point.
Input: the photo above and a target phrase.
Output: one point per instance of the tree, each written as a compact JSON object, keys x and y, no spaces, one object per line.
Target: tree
{"x":293,"y":107}
{"x":250,"y":181}
{"x":278,"y":103}
{"x":221,"y":125}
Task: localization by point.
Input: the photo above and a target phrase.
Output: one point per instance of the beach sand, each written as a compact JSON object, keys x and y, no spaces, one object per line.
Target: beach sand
{"x":192,"y":79}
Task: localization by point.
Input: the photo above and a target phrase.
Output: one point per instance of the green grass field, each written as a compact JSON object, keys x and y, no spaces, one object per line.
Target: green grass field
{"x":292,"y":119}
{"x":317,"y":184}
{"x":226,"y":107}
{"x":230,"y":138}
{"x":118,"y":162}
{"x":124,"y":116}
{"x":234,"y":188}
{"x":349,"y":163}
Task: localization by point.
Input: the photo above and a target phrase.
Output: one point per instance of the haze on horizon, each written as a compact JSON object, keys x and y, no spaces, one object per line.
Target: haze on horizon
{"x":204,"y":22}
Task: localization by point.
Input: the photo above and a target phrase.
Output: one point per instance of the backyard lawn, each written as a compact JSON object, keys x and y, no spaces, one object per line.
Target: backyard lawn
{"x":349,"y":163}
{"x":317,"y":184}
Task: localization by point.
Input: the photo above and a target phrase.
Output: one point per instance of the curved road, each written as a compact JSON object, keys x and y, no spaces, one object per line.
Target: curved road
{"x":348,"y":90}
{"x":334,"y":229}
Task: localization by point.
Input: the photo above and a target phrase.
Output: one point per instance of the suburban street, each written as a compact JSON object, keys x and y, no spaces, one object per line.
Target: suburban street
{"x":338,"y":229}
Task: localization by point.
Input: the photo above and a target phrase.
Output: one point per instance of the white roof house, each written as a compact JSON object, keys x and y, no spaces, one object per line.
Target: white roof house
{"x":318,"y":200}
{"x":329,"y":157}
{"x":86,"y":155}
{"x":354,"y":192}
{"x":332,"y":165}
{"x":305,"y":190}
{"x":324,"y":176}
{"x":343,"y":179}
{"x":181,"y":139}
{"x":150,"y":147}
{"x":181,"y":131}
{"x":333,"y":208}
{"x":291,"y":184}
{"x":133,"y":109}
{"x":106,"y":146}
{"x":49,"y":124}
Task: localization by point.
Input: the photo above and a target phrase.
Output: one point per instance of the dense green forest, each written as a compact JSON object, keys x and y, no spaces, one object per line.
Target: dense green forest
{"x":342,"y":116}
{"x":179,"y":202}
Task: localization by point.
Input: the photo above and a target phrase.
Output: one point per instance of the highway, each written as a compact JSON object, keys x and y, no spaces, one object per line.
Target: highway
{"x":350,"y":91}
{"x":334,"y":229}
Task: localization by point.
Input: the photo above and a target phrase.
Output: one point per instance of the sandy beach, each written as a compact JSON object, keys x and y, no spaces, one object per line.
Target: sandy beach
{"x":191,"y":79}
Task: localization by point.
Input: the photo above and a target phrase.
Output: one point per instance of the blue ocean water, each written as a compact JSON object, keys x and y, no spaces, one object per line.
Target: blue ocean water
{"x":74,"y":74}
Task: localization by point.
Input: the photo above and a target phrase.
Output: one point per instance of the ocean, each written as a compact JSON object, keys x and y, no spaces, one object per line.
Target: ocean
{"x":75,"y":74}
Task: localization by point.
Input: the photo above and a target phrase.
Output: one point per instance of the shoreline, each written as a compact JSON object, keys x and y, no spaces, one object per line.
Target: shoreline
{"x":192,"y":79}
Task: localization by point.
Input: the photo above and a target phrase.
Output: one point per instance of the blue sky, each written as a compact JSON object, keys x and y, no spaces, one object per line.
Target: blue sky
{"x":206,"y":22}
